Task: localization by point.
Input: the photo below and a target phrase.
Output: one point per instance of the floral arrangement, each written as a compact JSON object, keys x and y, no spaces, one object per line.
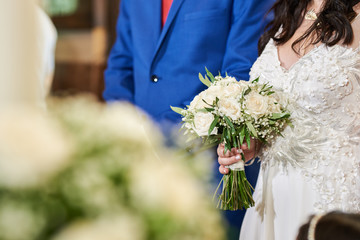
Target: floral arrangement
{"x":94,"y":172}
{"x":233,"y":112}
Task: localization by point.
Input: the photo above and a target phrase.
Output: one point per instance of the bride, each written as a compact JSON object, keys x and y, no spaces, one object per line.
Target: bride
{"x":310,"y":53}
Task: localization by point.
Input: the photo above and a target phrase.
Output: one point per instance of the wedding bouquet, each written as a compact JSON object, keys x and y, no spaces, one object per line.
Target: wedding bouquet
{"x":233,"y":112}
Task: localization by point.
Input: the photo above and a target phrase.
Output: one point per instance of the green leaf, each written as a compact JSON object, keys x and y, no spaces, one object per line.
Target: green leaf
{"x":271,"y":92}
{"x":276,"y":116}
{"x":177,"y":110}
{"x":247,"y":91}
{"x":228,"y":139}
{"x":213,"y":124}
{"x":202,"y":110}
{"x":226,"y":135}
{"x":206,"y":102}
{"x":226,"y":148}
{"x":235,"y":145}
{"x":205,"y":80}
{"x":263,"y":87}
{"x":209,"y":109}
{"x":255,"y":80}
{"x":247,"y":137}
{"x":252,"y":129}
{"x":267,"y":90}
{"x":212,"y":79}
{"x":242,"y":134}
{"x":228,"y":121}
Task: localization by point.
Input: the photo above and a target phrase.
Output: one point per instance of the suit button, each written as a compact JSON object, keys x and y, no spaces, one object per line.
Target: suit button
{"x":154,"y":78}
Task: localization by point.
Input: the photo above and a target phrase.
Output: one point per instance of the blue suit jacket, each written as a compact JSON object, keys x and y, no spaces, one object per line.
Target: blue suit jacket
{"x":219,"y":34}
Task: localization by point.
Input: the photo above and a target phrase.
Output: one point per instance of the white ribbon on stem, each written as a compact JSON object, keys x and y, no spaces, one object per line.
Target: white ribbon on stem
{"x":238,"y":166}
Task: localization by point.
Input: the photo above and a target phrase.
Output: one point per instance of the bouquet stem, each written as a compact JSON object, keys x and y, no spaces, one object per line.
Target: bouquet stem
{"x":236,"y":192}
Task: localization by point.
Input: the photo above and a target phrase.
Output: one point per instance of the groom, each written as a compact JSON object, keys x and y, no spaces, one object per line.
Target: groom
{"x":162,"y":45}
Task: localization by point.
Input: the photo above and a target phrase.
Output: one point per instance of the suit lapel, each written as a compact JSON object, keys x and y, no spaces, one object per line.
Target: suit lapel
{"x":171,"y":16}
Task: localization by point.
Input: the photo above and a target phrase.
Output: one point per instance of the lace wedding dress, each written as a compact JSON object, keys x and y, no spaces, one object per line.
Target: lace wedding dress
{"x":315,"y":167}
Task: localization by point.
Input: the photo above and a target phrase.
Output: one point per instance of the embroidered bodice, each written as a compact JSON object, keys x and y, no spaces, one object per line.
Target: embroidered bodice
{"x":323,"y":91}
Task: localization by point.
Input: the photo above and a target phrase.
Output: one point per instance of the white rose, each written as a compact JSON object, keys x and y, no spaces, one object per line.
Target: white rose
{"x":281,"y":98}
{"x":232,"y":90}
{"x":230,"y":108}
{"x":243,"y":83}
{"x":256,"y":104}
{"x":209,"y":96}
{"x":194,"y":103}
{"x":213,"y":90}
{"x":274,"y":105}
{"x":197,"y":103}
{"x":202,"y":122}
{"x":227,"y":80}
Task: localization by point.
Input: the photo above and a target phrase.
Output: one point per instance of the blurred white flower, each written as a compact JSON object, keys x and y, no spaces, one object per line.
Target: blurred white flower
{"x":121,"y":227}
{"x":120,"y":182}
{"x":168,"y":187}
{"x":18,"y":221}
{"x":32,"y":148}
{"x":128,"y":122}
{"x":92,"y":188}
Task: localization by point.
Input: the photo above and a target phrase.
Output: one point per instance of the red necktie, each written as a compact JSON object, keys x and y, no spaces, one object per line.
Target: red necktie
{"x":166,"y":4}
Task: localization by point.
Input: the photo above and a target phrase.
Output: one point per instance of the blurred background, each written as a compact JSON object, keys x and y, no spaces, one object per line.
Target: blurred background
{"x":74,"y":168}
{"x":86,"y":32}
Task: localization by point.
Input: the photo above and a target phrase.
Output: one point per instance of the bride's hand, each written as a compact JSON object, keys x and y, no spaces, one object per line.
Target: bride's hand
{"x":234,"y":155}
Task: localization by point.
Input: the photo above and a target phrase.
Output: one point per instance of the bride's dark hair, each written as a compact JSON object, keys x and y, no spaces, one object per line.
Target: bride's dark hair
{"x":332,"y":25}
